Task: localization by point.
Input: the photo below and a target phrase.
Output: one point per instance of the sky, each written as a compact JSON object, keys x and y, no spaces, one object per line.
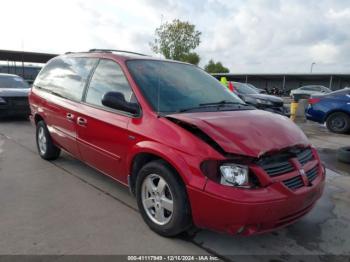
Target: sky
{"x":247,"y":36}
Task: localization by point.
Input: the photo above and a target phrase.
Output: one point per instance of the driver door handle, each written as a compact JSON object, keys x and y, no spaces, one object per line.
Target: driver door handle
{"x":81,"y":121}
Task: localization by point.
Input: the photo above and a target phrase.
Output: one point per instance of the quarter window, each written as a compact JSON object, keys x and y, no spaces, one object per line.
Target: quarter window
{"x":108,"y":77}
{"x":66,"y":76}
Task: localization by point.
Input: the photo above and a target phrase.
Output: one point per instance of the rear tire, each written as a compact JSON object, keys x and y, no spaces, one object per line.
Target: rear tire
{"x":338,"y":122}
{"x":162,"y":199}
{"x":46,"y":148}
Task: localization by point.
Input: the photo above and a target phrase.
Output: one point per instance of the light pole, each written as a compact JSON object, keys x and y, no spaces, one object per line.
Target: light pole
{"x":312,"y":66}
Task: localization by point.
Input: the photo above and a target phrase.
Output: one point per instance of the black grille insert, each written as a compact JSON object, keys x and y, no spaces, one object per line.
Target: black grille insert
{"x":305,"y":156}
{"x":312,"y":173}
{"x":279,"y":164}
{"x":294,"y":183}
{"x":276,"y":169}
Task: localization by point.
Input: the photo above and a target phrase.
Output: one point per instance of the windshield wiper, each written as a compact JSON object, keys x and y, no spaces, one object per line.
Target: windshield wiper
{"x":216,"y":105}
{"x":222,"y":102}
{"x":190,"y":109}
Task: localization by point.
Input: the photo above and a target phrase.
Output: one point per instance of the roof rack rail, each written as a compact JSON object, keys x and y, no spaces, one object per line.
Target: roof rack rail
{"x":115,"y":50}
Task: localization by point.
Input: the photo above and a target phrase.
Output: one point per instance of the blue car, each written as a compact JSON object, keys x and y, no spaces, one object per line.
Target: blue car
{"x":332,"y":109}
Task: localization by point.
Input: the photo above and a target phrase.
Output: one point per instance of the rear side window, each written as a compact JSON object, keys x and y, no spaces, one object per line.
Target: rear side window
{"x":108,"y":77}
{"x":66,"y":76}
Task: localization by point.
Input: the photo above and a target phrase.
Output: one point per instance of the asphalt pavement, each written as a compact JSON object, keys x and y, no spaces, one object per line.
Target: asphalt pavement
{"x":65,"y":207}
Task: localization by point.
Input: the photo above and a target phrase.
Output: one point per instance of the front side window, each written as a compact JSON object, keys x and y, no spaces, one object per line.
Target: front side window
{"x":174,"y":87}
{"x":66,"y":76}
{"x":108,"y":77}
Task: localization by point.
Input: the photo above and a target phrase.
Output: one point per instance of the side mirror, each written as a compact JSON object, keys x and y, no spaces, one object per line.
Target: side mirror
{"x":116,"y":100}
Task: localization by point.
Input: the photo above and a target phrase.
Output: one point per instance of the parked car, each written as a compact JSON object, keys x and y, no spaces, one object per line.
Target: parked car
{"x":261,"y":101}
{"x":332,"y":109}
{"x":305,"y":92}
{"x":260,"y":90}
{"x":13,"y":96}
{"x":191,"y":151}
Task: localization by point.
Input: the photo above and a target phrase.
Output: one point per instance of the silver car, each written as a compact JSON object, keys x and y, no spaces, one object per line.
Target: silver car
{"x":305,"y":92}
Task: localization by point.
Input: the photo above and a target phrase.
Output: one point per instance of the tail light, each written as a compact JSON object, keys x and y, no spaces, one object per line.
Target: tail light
{"x":314,"y":100}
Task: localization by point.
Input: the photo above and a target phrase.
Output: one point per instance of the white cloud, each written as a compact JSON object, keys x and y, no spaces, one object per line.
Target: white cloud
{"x":324,"y":53}
{"x":247,"y":36}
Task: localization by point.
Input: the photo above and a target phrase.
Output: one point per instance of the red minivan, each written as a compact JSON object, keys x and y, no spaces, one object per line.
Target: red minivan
{"x":191,"y":151}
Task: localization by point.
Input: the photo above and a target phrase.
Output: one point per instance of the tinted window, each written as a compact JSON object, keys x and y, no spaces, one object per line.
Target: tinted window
{"x":316,"y":88}
{"x":309,"y":88}
{"x":9,"y":81}
{"x":108,"y":77}
{"x":66,"y":76}
{"x":172,"y":87}
{"x":244,"y":88}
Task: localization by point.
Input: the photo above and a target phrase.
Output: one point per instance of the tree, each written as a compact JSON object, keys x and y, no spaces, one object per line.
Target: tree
{"x":217,"y":67}
{"x":192,"y":58}
{"x":176,"y":40}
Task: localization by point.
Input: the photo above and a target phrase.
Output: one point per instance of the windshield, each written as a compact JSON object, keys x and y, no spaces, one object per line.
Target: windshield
{"x":12,"y":82}
{"x":244,"y":89}
{"x":174,"y":87}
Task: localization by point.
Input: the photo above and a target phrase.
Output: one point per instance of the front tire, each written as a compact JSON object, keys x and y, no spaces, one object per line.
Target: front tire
{"x":338,"y":122}
{"x":162,"y":199}
{"x":46,"y":148}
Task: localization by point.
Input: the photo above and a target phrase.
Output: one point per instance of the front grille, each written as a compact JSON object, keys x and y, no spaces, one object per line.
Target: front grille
{"x":312,"y":173}
{"x":305,"y":156}
{"x":276,"y":169}
{"x":294,"y":183}
{"x":19,"y":101}
{"x":279,"y":164}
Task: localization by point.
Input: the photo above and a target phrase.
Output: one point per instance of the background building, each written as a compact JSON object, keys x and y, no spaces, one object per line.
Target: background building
{"x":21,"y":63}
{"x":287,"y":82}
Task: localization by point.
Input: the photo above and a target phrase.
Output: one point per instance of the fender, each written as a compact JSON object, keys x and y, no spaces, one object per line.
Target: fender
{"x":186,"y":169}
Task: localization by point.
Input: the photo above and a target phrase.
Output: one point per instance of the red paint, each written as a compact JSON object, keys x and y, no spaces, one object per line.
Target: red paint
{"x":314,"y":100}
{"x":230,"y":86}
{"x":109,"y":142}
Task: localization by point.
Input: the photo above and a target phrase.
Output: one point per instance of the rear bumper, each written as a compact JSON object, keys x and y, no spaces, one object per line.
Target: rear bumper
{"x":247,"y":212}
{"x":314,"y":115}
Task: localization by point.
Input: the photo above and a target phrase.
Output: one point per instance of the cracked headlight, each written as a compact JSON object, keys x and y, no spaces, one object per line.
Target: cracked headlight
{"x":234,"y":175}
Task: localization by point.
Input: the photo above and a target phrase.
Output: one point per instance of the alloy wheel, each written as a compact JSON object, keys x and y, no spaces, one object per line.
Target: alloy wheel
{"x":157,"y":199}
{"x":42,"y":142}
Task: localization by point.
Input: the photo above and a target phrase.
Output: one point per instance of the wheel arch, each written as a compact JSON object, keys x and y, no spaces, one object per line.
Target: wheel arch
{"x":146,"y":152}
{"x":37,"y":118}
{"x":335,"y":111}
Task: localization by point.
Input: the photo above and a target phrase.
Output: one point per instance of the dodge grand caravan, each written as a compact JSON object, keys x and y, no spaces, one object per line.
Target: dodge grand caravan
{"x":191,"y":151}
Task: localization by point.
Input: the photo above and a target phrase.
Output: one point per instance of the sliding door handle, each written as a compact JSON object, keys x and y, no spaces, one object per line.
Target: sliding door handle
{"x":81,"y":121}
{"x":70,"y":116}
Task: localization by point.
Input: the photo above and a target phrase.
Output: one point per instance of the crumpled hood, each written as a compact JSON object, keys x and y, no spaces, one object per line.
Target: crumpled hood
{"x":14,"y":92}
{"x":248,"y":132}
